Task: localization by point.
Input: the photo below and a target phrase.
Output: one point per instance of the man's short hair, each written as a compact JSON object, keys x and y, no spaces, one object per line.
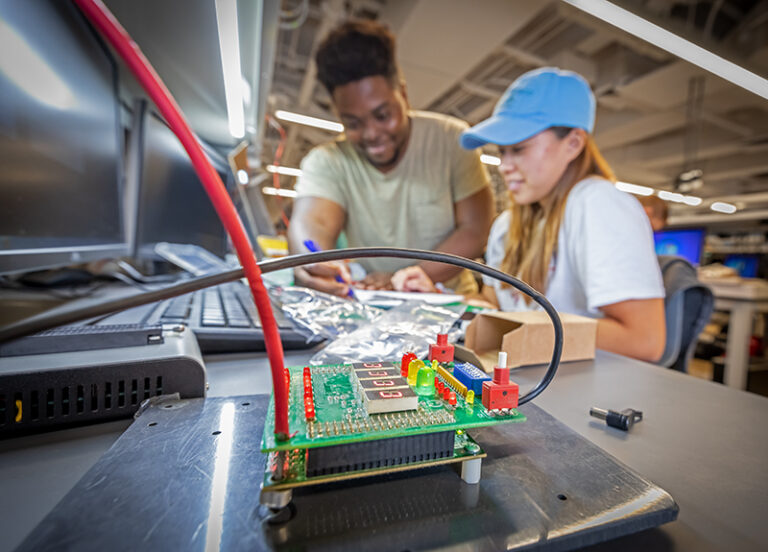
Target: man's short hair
{"x":355,"y":50}
{"x":657,"y":206}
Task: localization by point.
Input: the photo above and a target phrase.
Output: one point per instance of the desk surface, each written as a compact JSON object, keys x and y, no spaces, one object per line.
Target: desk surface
{"x":704,"y":443}
{"x":744,"y":289}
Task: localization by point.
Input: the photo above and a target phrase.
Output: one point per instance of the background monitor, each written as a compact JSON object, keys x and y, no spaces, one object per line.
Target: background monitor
{"x":171,"y":203}
{"x":745,"y":264}
{"x":60,"y":140}
{"x":682,"y":242}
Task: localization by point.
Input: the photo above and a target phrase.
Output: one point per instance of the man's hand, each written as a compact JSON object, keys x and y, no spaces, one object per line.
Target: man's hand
{"x":322,"y":277}
{"x":376,"y":280}
{"x":412,"y":278}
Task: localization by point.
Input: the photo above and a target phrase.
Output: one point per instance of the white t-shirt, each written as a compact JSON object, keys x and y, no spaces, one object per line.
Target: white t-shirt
{"x":410,"y":206}
{"x":605,"y":253}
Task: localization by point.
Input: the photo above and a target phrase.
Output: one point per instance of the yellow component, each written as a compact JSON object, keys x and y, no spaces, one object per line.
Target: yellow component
{"x":470,"y":398}
{"x":459,"y":387}
{"x":273,"y":246}
{"x":18,"y":410}
{"x":413,"y":370}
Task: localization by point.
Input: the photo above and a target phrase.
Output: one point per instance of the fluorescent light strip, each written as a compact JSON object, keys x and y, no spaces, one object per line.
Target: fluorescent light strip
{"x":287,"y":171}
{"x":490,"y":160}
{"x":722,"y":207}
{"x":692,"y":200}
{"x":634,"y":189}
{"x":269,"y":190}
{"x":670,"y":196}
{"x":309,"y":121}
{"x":682,"y":48}
{"x":229,"y":47}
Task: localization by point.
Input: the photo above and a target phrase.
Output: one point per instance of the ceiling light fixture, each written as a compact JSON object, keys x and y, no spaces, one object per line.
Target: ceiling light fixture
{"x":490,"y":160}
{"x":269,"y":190}
{"x":722,"y":207}
{"x":309,"y":121}
{"x":676,"y":45}
{"x":670,"y":196}
{"x":634,"y":189}
{"x":229,"y":48}
{"x":287,"y":171}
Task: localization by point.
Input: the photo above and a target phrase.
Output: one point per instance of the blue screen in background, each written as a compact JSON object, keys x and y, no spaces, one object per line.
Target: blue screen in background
{"x":686,"y":243}
{"x":745,"y":265}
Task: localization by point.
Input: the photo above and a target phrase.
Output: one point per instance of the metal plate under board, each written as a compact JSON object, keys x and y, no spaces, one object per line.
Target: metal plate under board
{"x":186,"y":475}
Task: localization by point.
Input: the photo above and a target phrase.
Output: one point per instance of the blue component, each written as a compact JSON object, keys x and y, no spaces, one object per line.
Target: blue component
{"x":471,"y":376}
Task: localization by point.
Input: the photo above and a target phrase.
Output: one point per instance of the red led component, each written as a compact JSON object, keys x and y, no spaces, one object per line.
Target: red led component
{"x":446,"y":393}
{"x":407,"y":359}
{"x":452,"y":398}
{"x":309,"y":401}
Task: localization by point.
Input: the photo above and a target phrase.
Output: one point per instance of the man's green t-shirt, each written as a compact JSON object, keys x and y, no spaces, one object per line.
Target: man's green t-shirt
{"x":410,"y":206}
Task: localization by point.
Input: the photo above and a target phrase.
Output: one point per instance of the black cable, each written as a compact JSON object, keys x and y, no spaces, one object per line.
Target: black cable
{"x":46,"y":321}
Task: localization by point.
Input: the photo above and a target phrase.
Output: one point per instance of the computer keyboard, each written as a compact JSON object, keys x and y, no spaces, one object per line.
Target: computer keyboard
{"x":223,"y":318}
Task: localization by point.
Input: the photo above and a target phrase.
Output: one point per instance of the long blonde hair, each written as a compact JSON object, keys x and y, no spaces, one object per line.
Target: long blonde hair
{"x":533,"y":229}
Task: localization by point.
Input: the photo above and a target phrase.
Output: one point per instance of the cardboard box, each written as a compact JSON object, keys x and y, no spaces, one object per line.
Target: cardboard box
{"x":527,"y":338}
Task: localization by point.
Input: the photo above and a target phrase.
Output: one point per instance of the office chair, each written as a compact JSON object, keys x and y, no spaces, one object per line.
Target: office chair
{"x":688,"y":305}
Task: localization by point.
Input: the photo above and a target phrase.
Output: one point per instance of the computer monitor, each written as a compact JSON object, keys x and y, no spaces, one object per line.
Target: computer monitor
{"x":60,"y":140}
{"x":746,"y":265}
{"x":682,"y":242}
{"x":171,"y":203}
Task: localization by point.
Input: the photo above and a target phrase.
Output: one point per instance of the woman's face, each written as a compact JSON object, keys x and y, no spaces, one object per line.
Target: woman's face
{"x":532,"y":168}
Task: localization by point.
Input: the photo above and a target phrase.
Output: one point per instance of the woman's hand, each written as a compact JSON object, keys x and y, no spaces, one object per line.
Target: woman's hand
{"x":412,"y":278}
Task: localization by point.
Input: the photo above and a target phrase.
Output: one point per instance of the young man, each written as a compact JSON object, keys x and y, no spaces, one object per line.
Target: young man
{"x":396,"y":177}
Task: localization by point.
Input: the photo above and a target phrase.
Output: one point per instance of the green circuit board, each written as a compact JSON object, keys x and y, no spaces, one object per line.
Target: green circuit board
{"x":342,"y":416}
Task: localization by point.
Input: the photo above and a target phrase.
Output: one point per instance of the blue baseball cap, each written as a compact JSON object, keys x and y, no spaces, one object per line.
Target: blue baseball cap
{"x":537,"y":100}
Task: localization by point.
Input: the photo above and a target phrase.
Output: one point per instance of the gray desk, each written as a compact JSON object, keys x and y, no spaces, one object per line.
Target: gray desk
{"x":704,"y":443}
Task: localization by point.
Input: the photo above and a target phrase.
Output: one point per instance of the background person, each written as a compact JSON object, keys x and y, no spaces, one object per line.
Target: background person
{"x":568,"y":232}
{"x":396,"y":177}
{"x":656,"y":209}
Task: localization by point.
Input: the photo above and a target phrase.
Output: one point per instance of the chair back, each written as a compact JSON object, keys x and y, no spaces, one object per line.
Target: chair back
{"x":688,"y":305}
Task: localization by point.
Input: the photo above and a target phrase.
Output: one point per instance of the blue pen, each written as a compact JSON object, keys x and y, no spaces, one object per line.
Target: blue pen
{"x":313,"y":248}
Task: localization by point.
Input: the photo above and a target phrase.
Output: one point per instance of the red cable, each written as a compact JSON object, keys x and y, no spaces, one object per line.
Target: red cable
{"x":105,"y":22}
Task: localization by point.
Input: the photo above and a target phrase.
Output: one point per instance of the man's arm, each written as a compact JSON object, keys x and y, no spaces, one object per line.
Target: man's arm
{"x":320,"y":220}
{"x":474,"y":215}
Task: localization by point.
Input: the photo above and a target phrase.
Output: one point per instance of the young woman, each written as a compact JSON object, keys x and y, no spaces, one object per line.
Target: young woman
{"x":568,"y":232}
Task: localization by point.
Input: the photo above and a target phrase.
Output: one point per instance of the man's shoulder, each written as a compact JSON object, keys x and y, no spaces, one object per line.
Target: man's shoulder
{"x":328,"y":154}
